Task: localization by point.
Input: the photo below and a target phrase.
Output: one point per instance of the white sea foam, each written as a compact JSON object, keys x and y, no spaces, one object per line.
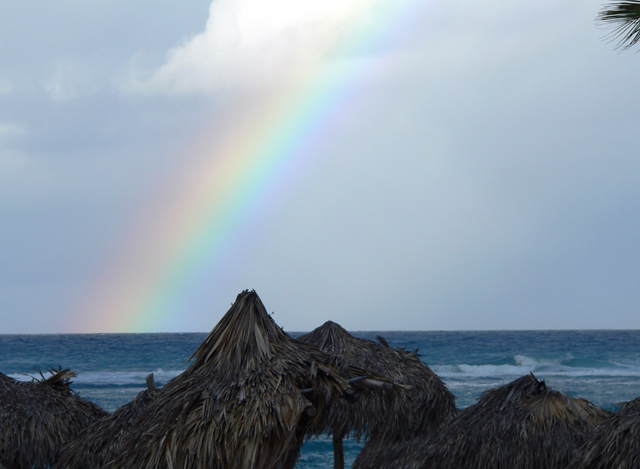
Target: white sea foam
{"x":481,"y":371}
{"x":113,"y":378}
{"x":525,"y":365}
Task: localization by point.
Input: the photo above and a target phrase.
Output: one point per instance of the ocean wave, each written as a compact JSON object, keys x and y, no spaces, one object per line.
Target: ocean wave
{"x":508,"y":366}
{"x":519,"y":365}
{"x":112,"y":378}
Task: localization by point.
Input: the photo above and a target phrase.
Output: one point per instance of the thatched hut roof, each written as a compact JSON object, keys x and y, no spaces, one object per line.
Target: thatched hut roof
{"x":615,"y":444}
{"x":101,"y":442}
{"x":240,"y":404}
{"x":420,"y":408}
{"x":389,"y":453}
{"x":38,"y":418}
{"x":523,"y":424}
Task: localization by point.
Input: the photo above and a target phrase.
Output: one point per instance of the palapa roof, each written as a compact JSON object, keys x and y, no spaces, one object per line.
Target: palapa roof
{"x":240,"y":404}
{"x":523,"y":424}
{"x":101,"y":442}
{"x":38,"y":418}
{"x":420,"y":407}
{"x":387,"y":454}
{"x":615,"y":444}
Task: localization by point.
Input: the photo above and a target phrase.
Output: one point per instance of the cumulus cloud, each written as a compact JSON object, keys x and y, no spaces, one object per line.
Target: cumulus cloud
{"x":252,"y":43}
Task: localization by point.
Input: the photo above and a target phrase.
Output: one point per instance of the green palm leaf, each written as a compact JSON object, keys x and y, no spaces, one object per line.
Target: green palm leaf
{"x":625,"y":19}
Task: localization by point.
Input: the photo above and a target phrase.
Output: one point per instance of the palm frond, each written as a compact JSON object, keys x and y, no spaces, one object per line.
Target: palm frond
{"x":625,"y":19}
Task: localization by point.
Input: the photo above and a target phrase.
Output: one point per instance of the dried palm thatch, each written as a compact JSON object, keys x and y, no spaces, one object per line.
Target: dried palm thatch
{"x":524,"y":424}
{"x":240,"y":404}
{"x":101,"y":442}
{"x":383,"y":419}
{"x":615,"y":444}
{"x":389,"y":453}
{"x":422,"y":406}
{"x":38,"y":418}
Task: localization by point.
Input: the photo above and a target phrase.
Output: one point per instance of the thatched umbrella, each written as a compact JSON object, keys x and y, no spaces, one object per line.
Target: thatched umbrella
{"x":389,"y":453}
{"x":241,"y":402}
{"x":383,"y":418}
{"x":38,"y":418}
{"x":524,"y":424}
{"x":101,"y":442}
{"x":615,"y":444}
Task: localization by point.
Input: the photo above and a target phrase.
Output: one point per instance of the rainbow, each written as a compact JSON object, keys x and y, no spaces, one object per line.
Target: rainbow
{"x":228,"y":181}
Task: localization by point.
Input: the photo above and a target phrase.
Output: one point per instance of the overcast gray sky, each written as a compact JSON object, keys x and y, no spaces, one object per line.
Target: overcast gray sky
{"x":439,"y":165}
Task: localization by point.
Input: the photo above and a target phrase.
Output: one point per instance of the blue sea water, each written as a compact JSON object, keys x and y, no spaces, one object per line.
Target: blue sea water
{"x":601,"y":366}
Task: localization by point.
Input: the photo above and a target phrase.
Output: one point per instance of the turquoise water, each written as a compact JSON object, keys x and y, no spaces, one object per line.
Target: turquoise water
{"x":601,"y":366}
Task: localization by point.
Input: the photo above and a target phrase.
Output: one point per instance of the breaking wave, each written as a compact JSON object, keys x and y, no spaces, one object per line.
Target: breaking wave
{"x":112,"y":378}
{"x":518,"y":365}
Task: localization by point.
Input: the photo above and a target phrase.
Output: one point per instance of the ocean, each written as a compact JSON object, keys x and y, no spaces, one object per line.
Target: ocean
{"x":601,"y":366}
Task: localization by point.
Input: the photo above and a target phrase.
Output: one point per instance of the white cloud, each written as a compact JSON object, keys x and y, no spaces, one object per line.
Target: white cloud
{"x":71,"y":80}
{"x":252,"y":43}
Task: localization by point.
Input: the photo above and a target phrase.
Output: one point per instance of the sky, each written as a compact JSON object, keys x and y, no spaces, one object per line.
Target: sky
{"x":385,"y":164}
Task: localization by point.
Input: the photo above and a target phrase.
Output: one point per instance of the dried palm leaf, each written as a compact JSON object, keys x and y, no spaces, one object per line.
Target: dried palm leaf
{"x":614,"y":444}
{"x":38,"y":418}
{"x":240,"y":404}
{"x":524,"y":424}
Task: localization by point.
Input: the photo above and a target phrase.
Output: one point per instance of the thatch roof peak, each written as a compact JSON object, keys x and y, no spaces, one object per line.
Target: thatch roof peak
{"x":247,"y":400}
{"x":541,"y":403}
{"x":333,"y":337}
{"x":245,"y":332}
{"x":39,"y":418}
{"x":522,"y":424}
{"x":60,"y":379}
{"x":421,"y":408}
{"x":334,"y":326}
